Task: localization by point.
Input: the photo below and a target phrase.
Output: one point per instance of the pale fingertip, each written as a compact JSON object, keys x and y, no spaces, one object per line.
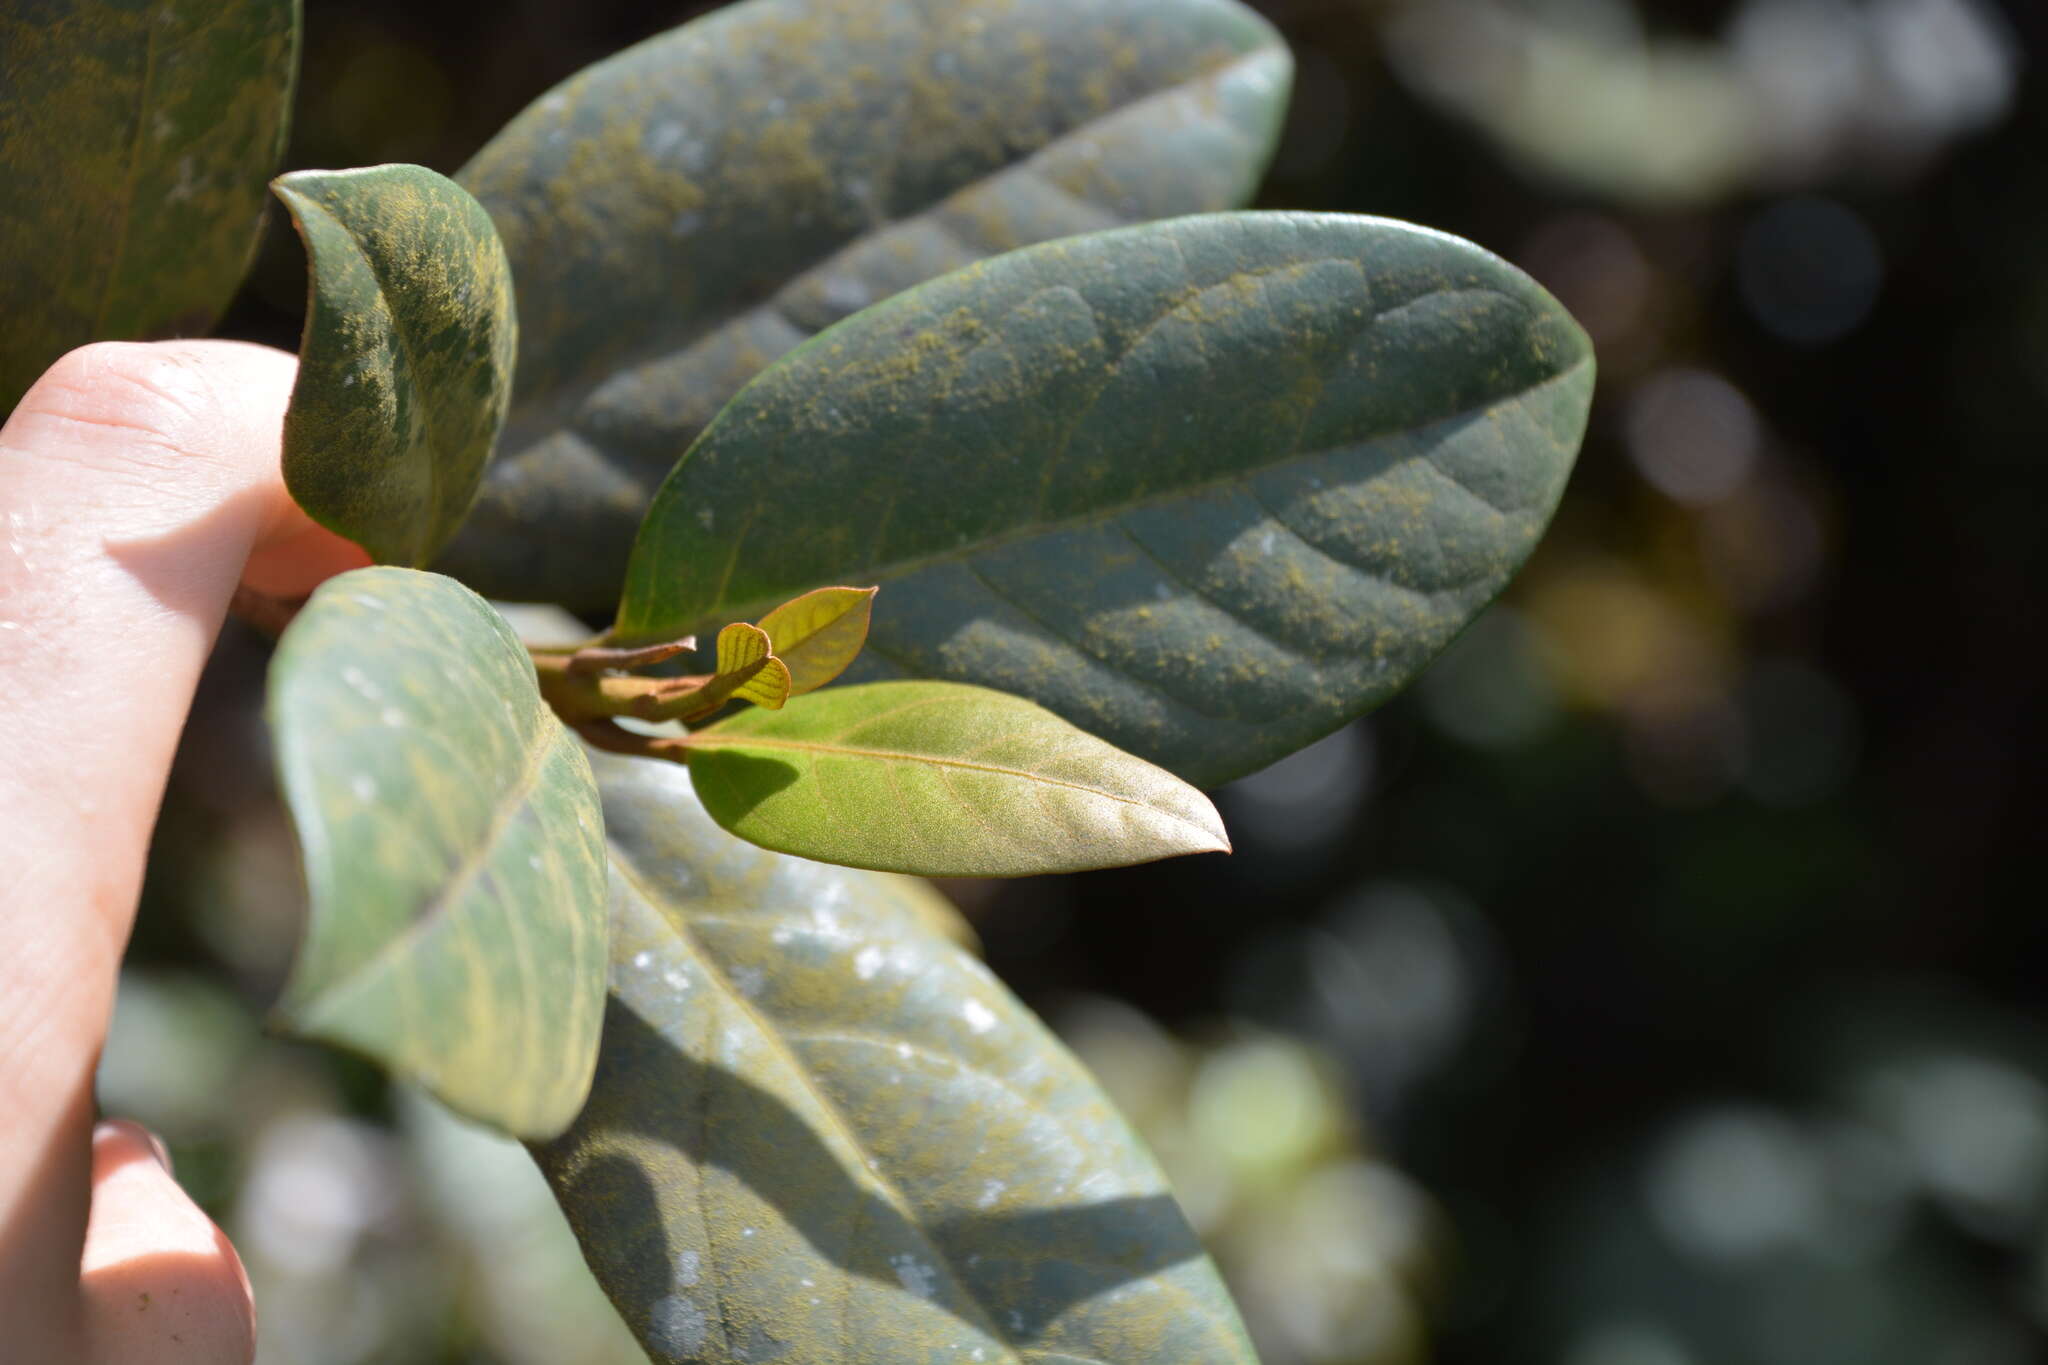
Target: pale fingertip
{"x":114,"y":1133}
{"x":159,"y":1281}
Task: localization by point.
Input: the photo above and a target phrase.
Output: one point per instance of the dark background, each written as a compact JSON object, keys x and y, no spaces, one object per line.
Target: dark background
{"x":1665,"y":968}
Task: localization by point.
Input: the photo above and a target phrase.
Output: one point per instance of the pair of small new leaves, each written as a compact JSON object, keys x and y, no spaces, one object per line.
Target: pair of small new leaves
{"x":931,"y":777}
{"x":797,"y":648}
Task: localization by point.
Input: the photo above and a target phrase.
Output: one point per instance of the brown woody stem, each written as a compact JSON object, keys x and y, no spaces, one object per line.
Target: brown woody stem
{"x":606,"y":735}
{"x":597,"y":658}
{"x":578,"y":695}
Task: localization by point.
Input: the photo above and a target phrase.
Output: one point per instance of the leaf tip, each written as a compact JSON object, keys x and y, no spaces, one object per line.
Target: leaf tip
{"x":1211,"y":826}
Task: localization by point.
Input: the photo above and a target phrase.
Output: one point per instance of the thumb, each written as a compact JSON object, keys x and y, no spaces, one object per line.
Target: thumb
{"x":159,"y":1284}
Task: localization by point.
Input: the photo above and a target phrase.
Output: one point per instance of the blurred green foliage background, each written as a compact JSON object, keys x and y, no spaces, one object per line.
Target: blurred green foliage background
{"x":1658,"y":983}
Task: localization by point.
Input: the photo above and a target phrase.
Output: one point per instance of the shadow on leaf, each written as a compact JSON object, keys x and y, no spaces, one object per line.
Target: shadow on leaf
{"x":640,"y":1172}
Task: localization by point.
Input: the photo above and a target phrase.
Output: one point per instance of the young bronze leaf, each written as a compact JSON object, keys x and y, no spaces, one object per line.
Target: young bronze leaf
{"x":819,"y":634}
{"x":684,"y":212}
{"x":821,"y":1131}
{"x":943,"y":780}
{"x":134,"y":144}
{"x":405,"y":369}
{"x":1207,"y":488}
{"x":454,"y":849}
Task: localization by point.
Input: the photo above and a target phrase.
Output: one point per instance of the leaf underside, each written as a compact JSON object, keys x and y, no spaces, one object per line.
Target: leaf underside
{"x":454,"y":849}
{"x":135,"y":140}
{"x":820,"y":1131}
{"x":1207,"y":488}
{"x":405,"y":369}
{"x":688,"y":210}
{"x":945,"y":781}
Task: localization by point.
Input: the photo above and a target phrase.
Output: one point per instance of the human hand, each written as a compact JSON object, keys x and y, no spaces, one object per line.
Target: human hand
{"x":139,"y":485}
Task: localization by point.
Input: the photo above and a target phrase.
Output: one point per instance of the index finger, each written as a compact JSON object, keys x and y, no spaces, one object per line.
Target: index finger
{"x":137,"y":483}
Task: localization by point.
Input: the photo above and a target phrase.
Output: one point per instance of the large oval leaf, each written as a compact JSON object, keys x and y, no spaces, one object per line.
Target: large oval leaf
{"x":1207,"y":488}
{"x":820,"y":1132}
{"x":135,"y":137}
{"x":683,"y":213}
{"x":405,"y":370}
{"x":454,"y":849}
{"x":942,"y":780}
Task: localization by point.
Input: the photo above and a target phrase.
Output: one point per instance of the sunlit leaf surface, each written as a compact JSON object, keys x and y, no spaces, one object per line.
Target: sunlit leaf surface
{"x":454,"y":849}
{"x":943,"y":780}
{"x":406,"y":365}
{"x":682,"y":213}
{"x":822,"y":1132}
{"x":1207,"y":488}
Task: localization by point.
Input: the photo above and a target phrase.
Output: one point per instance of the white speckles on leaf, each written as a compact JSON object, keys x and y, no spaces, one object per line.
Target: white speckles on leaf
{"x":479,"y":824}
{"x":678,"y":1325}
{"x":979,"y":1017}
{"x":919,"y":1278}
{"x":748,"y":981}
{"x":957,"y":1138}
{"x":643,"y":959}
{"x":359,"y":682}
{"x":662,"y":139}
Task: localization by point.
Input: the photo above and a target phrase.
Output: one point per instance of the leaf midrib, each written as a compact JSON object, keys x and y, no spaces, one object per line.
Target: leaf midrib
{"x":905,"y":567}
{"x":709,"y":740}
{"x":461,"y":877}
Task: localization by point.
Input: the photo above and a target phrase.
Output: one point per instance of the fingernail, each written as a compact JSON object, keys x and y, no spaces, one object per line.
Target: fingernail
{"x":135,"y":1132}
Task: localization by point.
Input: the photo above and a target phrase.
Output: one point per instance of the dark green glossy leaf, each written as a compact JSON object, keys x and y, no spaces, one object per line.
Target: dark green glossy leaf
{"x":683,"y":213}
{"x":454,"y":849}
{"x":1207,"y":488}
{"x":405,"y":370}
{"x":945,"y":781}
{"x":135,"y":137}
{"x":822,"y":1132}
